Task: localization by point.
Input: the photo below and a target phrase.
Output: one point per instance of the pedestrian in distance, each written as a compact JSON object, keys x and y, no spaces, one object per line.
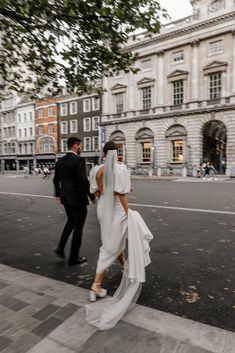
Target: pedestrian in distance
{"x":26,"y":171}
{"x":46,"y":173}
{"x":212,"y":171}
{"x":72,"y":190}
{"x":207,"y":170}
{"x":203,"y":167}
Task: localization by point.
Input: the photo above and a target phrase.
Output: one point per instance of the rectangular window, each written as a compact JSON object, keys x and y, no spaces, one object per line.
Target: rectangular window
{"x":50,"y":111}
{"x":119,"y":103}
{"x":19,"y":118}
{"x":31,"y":148}
{"x":146,"y":64}
{"x":51,"y":128}
{"x":31,"y":131}
{"x":178,"y":92}
{"x":215,"y":85}
{"x":20,"y":133}
{"x":30,"y":116}
{"x":13,"y":148}
{"x":64,"y":147}
{"x":25,"y":148}
{"x":87,"y":124}
{"x":73,"y":126}
{"x":64,"y":109}
{"x":20,"y":149}
{"x":178,"y":56}
{"x":177,"y":149}
{"x":216,"y":47}
{"x":40,"y":130}
{"x":95,"y":143}
{"x":86,"y":105}
{"x":40,"y":113}
{"x":25,"y":132}
{"x":95,"y":123}
{"x":95,"y":103}
{"x":146,"y":98}
{"x":25,"y":117}
{"x":64,"y":127}
{"x":73,"y":108}
{"x":146,"y":151}
{"x":87,"y":143}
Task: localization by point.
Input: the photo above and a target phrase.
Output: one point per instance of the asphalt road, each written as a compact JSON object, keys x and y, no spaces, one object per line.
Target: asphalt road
{"x":193,"y":223}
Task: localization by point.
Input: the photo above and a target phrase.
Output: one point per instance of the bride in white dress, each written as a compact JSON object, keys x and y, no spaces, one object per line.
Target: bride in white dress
{"x":111,"y":183}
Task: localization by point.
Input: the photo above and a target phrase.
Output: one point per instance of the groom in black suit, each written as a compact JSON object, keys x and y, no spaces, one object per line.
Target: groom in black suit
{"x":72,"y":190}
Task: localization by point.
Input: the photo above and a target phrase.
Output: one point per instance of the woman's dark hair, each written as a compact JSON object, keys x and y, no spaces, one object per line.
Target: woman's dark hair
{"x":109,"y":146}
{"x":72,"y":141}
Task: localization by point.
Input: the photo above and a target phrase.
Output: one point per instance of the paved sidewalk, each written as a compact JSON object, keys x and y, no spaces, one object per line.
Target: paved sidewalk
{"x":41,"y":315}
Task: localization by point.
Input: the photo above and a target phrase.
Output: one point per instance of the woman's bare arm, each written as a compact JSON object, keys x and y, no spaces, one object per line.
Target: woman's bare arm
{"x":124,"y":202}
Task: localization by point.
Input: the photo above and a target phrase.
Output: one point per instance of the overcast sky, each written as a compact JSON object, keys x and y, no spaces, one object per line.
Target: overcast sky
{"x":177,"y":8}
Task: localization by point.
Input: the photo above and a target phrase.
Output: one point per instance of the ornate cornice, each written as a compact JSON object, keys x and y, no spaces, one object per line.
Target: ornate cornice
{"x":170,"y":115}
{"x":182,"y":31}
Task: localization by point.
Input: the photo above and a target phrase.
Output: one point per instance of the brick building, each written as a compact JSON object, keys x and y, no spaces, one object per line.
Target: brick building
{"x":80,"y":116}
{"x":46,"y":131}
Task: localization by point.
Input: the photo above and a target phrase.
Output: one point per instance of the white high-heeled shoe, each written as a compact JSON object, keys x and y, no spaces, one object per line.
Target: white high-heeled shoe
{"x":97,"y":291}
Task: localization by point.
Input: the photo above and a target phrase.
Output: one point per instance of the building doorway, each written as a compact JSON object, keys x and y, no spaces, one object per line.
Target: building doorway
{"x":214,"y":144}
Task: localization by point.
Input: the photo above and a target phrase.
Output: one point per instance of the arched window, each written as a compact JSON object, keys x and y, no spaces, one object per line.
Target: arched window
{"x":176,"y":136}
{"x":46,"y":145}
{"x":144,"y":144}
{"x":119,"y":138}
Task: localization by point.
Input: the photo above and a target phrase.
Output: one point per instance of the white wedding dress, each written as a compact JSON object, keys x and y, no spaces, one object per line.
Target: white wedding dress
{"x":116,"y":228}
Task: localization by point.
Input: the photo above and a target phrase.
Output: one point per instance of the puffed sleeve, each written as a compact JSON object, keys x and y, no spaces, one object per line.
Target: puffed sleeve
{"x":122,"y":179}
{"x":92,"y":177}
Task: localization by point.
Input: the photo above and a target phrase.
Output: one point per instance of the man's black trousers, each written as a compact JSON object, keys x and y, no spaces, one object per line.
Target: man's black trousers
{"x":76,"y":219}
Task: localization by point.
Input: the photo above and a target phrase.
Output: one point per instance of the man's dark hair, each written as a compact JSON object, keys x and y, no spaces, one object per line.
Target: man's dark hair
{"x":72,"y":141}
{"x":109,"y":146}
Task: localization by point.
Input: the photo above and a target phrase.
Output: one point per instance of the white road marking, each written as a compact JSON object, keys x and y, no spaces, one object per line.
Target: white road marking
{"x":30,"y":195}
{"x":182,"y":209}
{"x":133,"y":204}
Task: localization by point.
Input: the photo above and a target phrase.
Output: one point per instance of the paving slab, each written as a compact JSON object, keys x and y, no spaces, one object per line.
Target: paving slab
{"x":123,"y":335}
{"x":74,"y":332}
{"x":49,"y":346}
{"x":22,"y":344}
{"x":53,"y":321}
{"x":4,"y":342}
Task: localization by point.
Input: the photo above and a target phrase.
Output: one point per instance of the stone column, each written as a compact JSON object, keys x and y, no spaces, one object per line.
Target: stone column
{"x":2,"y":166}
{"x":160,"y":91}
{"x":131,"y":92}
{"x":17,"y":165}
{"x":195,"y":70}
{"x":224,"y":85}
{"x":233,"y":62}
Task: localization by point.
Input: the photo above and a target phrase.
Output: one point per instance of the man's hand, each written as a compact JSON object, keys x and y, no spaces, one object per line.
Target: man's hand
{"x":58,"y":200}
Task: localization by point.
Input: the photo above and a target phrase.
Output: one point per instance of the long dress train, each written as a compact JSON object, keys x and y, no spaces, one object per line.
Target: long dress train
{"x":105,"y":313}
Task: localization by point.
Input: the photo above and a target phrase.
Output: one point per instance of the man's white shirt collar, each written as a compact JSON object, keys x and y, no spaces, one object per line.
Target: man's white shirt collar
{"x":72,"y":152}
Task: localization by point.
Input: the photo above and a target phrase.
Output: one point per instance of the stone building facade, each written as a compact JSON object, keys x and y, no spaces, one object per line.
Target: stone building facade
{"x":80,"y":116}
{"x":179,"y":109}
{"x":25,"y":134}
{"x":8,"y":135}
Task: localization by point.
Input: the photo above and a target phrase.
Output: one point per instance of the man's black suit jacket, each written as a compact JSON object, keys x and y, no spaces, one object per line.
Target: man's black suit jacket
{"x":70,"y":180}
